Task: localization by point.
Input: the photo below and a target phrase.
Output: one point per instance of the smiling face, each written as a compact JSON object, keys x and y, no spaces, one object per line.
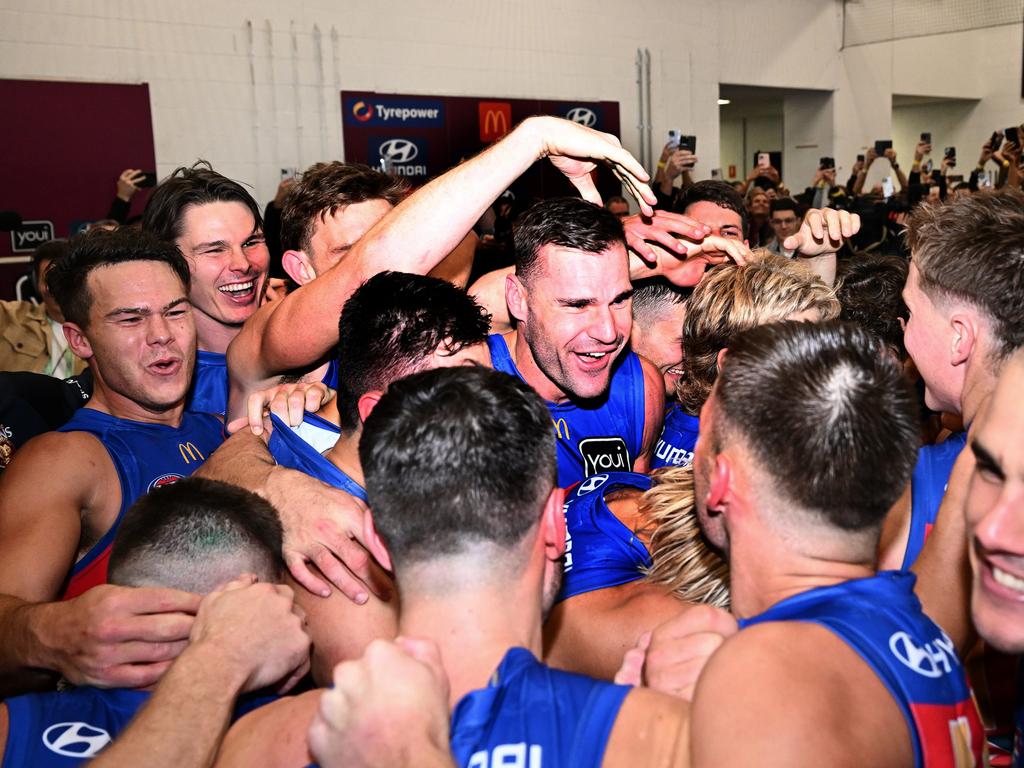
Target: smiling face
{"x":660,"y":340}
{"x":141,"y":337}
{"x":995,"y":516}
{"x":228,"y":259}
{"x":759,"y":204}
{"x":578,"y":317}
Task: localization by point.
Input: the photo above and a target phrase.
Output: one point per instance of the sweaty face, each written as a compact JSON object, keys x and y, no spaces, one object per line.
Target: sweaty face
{"x":228,"y":259}
{"x":578,"y":317}
{"x":661,"y":342}
{"x":333,"y":235}
{"x":785,"y":224}
{"x":928,"y":338}
{"x":142,"y":333}
{"x":703,"y":467}
{"x":724,"y":222}
{"x":995,"y":516}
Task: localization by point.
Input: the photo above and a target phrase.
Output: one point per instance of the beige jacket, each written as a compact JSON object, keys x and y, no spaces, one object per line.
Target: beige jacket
{"x":25,"y":338}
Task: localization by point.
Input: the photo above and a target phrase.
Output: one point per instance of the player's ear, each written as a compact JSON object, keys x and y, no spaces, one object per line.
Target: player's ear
{"x":721,"y":357}
{"x":367,"y":402}
{"x":375,"y":544}
{"x":552,"y":524}
{"x":515,"y":296}
{"x":964,"y":337}
{"x":721,"y":483}
{"x":77,"y":342}
{"x":298,"y":266}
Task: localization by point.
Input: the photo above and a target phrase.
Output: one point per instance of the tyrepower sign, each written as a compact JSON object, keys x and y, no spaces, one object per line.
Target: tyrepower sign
{"x":391,"y":112}
{"x":30,"y":235}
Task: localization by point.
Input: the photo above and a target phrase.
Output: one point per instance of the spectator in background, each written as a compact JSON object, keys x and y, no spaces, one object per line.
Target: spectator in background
{"x":128,"y":183}
{"x":785,"y":222}
{"x":272,"y":227}
{"x":759,"y":231}
{"x":618,"y":206}
{"x":32,"y":335}
{"x":674,"y":163}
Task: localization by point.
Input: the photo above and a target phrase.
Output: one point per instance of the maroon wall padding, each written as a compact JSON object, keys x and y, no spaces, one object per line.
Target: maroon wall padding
{"x":64,"y":145}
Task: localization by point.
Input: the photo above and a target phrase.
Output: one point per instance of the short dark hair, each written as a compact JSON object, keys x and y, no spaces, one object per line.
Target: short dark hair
{"x":653,"y":295}
{"x":180,"y":536}
{"x":165,"y":212}
{"x":568,"y":222}
{"x":784,"y":204}
{"x":326,"y":187}
{"x":68,"y":278}
{"x":826,"y":415}
{"x":392,"y":324}
{"x":456,"y":458}
{"x":52,"y":251}
{"x":972,"y":248}
{"x":870,"y":290}
{"x":717,"y":192}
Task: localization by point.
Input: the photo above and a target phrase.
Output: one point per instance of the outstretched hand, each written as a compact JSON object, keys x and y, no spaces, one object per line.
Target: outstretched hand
{"x":823,"y":231}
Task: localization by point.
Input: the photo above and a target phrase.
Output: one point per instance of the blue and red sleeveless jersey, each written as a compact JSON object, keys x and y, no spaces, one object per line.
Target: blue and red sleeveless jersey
{"x":601,"y":436}
{"x":927,"y":487}
{"x":289,"y":449}
{"x":677,"y":441}
{"x":881,"y":619}
{"x":146,"y":456}
{"x":68,"y":728}
{"x":533,"y":716}
{"x":209,"y":392}
{"x":600,"y":551}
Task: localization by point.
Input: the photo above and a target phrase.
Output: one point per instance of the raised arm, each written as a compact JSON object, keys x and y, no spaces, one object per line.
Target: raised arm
{"x":429,"y":224}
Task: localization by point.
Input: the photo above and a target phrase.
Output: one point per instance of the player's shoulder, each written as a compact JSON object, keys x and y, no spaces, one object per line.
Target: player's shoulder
{"x":652,"y":729}
{"x":61,"y":452}
{"x":274,"y":734}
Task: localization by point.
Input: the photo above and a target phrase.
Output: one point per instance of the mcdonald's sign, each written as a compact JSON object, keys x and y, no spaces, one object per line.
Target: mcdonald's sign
{"x":190,"y":453}
{"x":495,"y":119}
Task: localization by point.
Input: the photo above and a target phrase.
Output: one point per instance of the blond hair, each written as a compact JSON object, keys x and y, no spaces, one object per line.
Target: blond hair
{"x":682,"y":560}
{"x":733,"y":298}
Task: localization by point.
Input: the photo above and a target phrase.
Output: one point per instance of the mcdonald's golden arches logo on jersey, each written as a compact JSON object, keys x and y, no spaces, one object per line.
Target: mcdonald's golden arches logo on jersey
{"x":189,"y":453}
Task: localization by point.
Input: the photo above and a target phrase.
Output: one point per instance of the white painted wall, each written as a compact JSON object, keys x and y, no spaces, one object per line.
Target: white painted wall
{"x":253,"y":85}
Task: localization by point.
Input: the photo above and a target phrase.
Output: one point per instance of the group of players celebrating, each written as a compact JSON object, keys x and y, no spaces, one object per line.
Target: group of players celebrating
{"x":621,"y":504}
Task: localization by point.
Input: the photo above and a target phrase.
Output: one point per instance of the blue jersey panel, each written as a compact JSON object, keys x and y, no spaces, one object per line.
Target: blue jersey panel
{"x":209,"y":393}
{"x":536,"y":717}
{"x":604,"y":436}
{"x":928,"y":486}
{"x":600,"y":551}
{"x":290,"y":450}
{"x":881,"y":619}
{"x":677,"y":441}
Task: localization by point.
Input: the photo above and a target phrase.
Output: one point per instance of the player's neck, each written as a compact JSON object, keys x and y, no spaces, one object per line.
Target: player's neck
{"x":979,"y":383}
{"x":474,"y":630}
{"x":762,"y":572}
{"x":345,"y":455}
{"x":213,"y":335}
{"x":107,"y":401}
{"x":527,"y":366}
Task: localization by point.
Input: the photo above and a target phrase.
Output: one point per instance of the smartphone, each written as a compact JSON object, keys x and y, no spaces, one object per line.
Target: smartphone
{"x":888,"y":188}
{"x":881,"y":145}
{"x":148,"y":180}
{"x":689,"y":143}
{"x":764,"y":160}
{"x":950,"y":153}
{"x":826,"y":163}
{"x":673,"y":138}
{"x":927,"y":167}
{"x":289,"y":173}
{"x":716,"y":173}
{"x":1012,"y":135}
{"x":926,"y":137}
{"x":860,"y":158}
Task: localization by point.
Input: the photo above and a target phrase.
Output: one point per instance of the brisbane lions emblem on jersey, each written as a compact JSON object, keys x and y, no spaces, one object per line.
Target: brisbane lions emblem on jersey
{"x":604,"y":454}
{"x":163,"y":480}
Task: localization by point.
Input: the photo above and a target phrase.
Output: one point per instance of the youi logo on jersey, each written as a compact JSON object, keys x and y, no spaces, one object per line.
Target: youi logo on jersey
{"x":604,"y":454}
